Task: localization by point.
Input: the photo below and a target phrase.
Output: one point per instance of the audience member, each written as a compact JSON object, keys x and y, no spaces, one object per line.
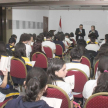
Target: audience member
{"x":56,"y":72}
{"x":100,"y":83}
{"x":14,"y":36}
{"x":105,"y":41}
{"x":10,"y":47}
{"x":76,"y":57}
{"x":57,"y":40}
{"x":67,"y":39}
{"x":35,"y":86}
{"x":91,"y":45}
{"x":49,"y":44}
{"x":34,"y":37}
{"x":25,"y":38}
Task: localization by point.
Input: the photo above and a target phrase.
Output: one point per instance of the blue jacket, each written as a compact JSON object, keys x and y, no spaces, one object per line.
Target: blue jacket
{"x":18,"y":103}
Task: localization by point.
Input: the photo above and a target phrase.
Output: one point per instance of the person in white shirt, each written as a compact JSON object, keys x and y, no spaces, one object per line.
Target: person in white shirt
{"x":49,"y":44}
{"x":90,"y":85}
{"x":25,"y":38}
{"x":76,"y":57}
{"x":56,"y":73}
{"x":91,"y":45}
{"x":105,"y":41}
{"x":67,"y":39}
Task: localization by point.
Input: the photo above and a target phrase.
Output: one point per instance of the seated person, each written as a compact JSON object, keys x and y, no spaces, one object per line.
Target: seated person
{"x":56,"y":72}
{"x":25,"y":38}
{"x":105,"y":41}
{"x":65,"y":43}
{"x":91,"y":84}
{"x":76,"y":57}
{"x":10,"y":47}
{"x":35,"y":86}
{"x":91,"y":45}
{"x":6,"y":90}
{"x":37,"y":47}
{"x":49,"y":44}
{"x":34,"y":37}
{"x":67,"y":39}
{"x":20,"y":53}
{"x":57,"y":40}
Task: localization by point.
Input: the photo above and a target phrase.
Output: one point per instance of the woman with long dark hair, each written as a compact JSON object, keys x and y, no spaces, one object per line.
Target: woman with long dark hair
{"x":56,"y":72}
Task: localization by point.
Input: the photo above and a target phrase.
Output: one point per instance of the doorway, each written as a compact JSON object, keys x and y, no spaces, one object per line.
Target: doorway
{"x":45,"y":24}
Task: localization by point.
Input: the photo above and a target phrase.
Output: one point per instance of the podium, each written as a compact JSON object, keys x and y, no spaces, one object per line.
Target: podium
{"x":52,"y":32}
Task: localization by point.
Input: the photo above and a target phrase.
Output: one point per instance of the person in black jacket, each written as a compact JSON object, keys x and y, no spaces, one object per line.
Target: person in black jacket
{"x":94,"y":31}
{"x":80,"y":32}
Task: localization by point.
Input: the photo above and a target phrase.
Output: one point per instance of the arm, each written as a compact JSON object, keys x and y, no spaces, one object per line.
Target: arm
{"x":83,"y":33}
{"x":54,"y":51}
{"x":77,"y":32}
{"x":4,"y":83}
{"x":71,"y":102}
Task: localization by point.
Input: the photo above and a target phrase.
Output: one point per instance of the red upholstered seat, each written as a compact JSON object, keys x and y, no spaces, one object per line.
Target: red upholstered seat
{"x":48,"y":51}
{"x":41,"y":60}
{"x":98,"y":100}
{"x":2,"y":104}
{"x":86,"y":61}
{"x":95,"y":67}
{"x":73,"y":41}
{"x":59,"y":50}
{"x":80,"y":80}
{"x":18,"y":68}
{"x":56,"y":92}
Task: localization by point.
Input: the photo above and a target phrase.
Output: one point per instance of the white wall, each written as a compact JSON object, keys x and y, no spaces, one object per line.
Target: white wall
{"x":72,"y":18}
{"x":28,"y":15}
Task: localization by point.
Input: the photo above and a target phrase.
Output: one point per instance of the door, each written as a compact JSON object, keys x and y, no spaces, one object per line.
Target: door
{"x":45,"y":24}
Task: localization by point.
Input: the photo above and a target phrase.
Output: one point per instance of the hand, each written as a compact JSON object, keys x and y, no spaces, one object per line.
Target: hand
{"x":29,"y":42}
{"x":5,"y":73}
{"x":79,"y":33}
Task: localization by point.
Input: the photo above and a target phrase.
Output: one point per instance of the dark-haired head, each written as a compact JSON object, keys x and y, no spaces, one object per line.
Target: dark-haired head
{"x":48,"y":36}
{"x":102,"y":83}
{"x":71,"y":34}
{"x":103,"y":63}
{"x":76,"y":54}
{"x":103,"y":51}
{"x":81,"y":42}
{"x":39,"y":38}
{"x":106,"y":38}
{"x":12,"y":41}
{"x":14,"y":36}
{"x":36,"y":47}
{"x":34,"y":37}
{"x":56,"y":70}
{"x":20,"y":50}
{"x":67,"y":35}
{"x":2,"y":48}
{"x":57,"y":37}
{"x":24,"y":38}
{"x":35,"y":85}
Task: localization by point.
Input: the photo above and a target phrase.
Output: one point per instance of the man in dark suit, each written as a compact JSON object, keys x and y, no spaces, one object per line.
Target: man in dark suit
{"x":80,"y":32}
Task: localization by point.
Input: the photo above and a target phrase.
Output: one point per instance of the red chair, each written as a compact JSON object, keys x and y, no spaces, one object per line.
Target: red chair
{"x":95,"y":67}
{"x":41,"y":60}
{"x":98,"y":100}
{"x":18,"y":68}
{"x":80,"y":80}
{"x":73,"y":41}
{"x":59,"y":50}
{"x":48,"y":51}
{"x":2,"y":104}
{"x":56,"y":92}
{"x":86,"y":61}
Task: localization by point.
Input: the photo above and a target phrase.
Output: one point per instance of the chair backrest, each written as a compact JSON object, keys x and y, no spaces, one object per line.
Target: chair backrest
{"x":56,"y":92}
{"x":86,"y":61}
{"x":41,"y":60}
{"x":98,"y":100}
{"x":80,"y":80}
{"x":48,"y":51}
{"x":18,"y":68}
{"x":2,"y":104}
{"x":59,"y":49}
{"x":73,"y":41}
{"x":95,"y":67}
